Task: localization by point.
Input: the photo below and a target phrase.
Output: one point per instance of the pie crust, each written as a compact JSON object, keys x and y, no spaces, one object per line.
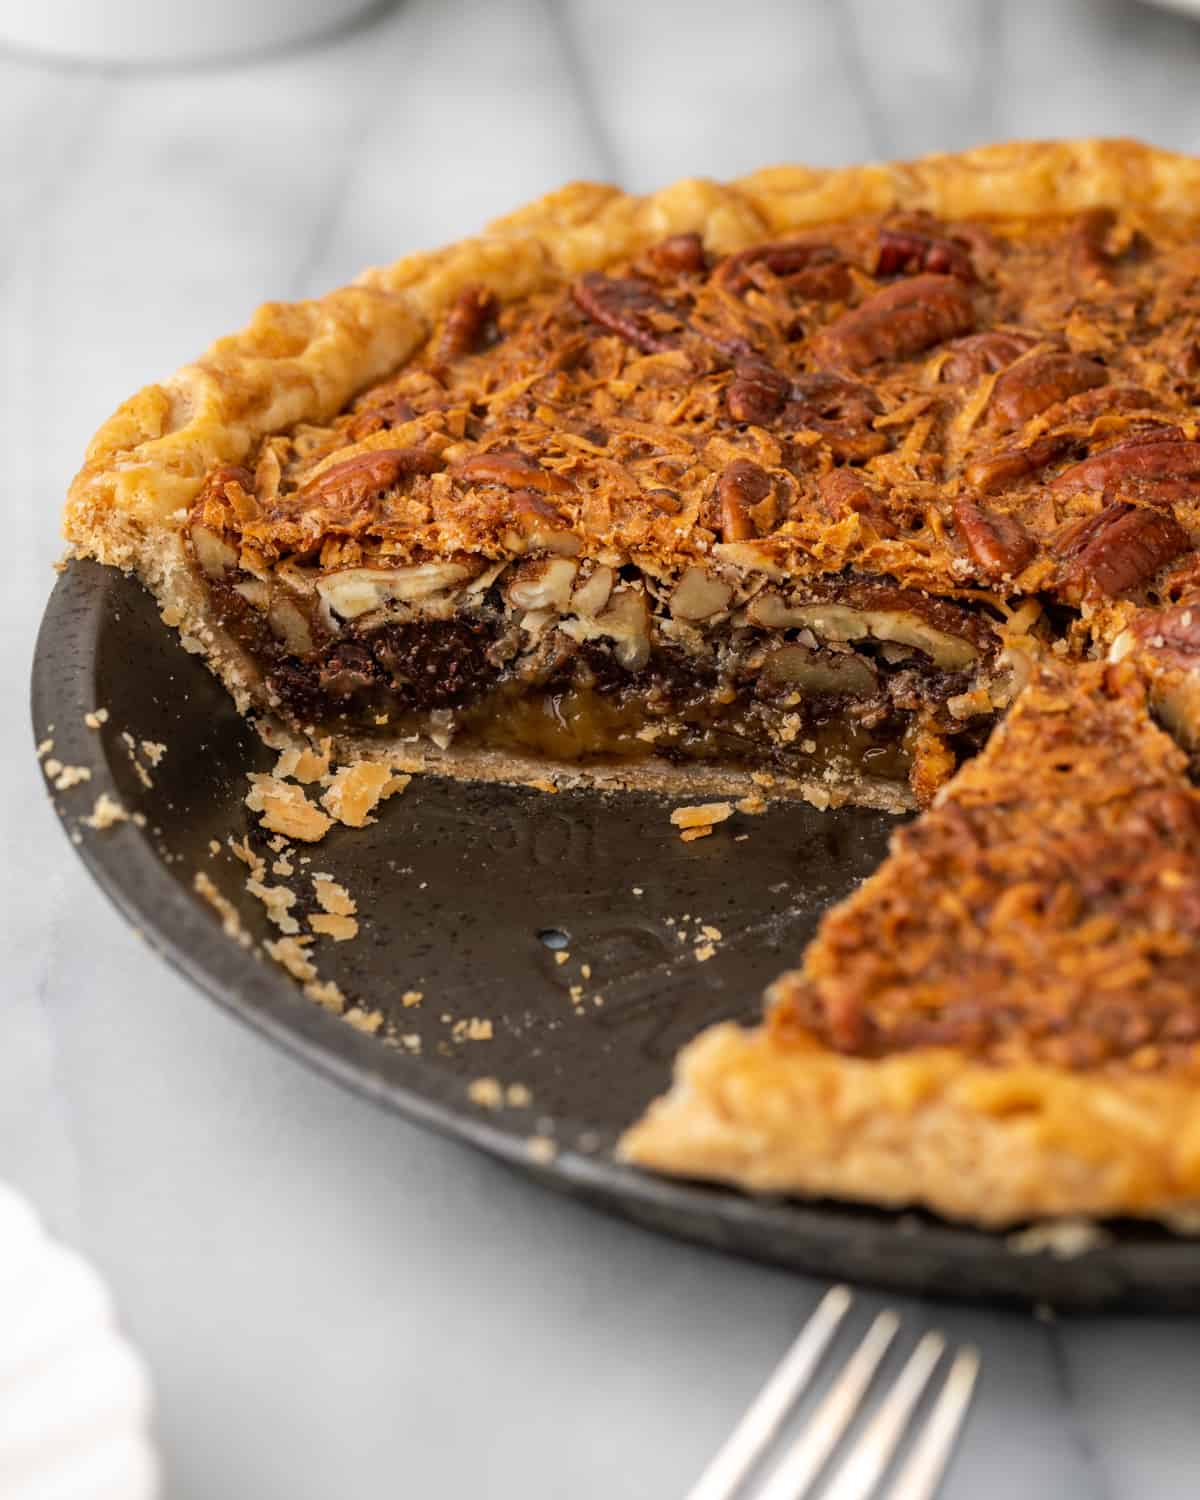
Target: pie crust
{"x":968,"y":1133}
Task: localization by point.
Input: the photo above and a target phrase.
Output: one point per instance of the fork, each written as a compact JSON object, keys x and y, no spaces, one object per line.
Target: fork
{"x":868,"y":1455}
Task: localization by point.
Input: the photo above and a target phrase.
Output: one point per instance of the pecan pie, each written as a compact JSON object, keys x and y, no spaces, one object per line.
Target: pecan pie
{"x":812,"y":473}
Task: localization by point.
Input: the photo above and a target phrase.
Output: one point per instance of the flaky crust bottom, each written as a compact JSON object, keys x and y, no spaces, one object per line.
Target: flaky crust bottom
{"x":929,"y":1129}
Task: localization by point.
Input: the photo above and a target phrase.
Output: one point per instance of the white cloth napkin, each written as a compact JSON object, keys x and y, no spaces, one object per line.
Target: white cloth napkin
{"x":74,"y":1397}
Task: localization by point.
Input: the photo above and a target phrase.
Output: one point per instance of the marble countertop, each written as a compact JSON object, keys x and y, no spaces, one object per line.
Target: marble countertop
{"x":332,"y":1301}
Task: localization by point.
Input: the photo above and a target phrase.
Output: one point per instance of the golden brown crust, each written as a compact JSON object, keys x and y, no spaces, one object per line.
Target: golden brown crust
{"x":994,"y":1145}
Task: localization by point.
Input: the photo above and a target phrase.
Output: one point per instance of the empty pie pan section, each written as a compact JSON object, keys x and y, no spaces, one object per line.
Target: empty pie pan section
{"x":470,"y":893}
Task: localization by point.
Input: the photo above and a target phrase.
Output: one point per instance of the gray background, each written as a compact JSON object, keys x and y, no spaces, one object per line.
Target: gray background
{"x":334,"y":1303}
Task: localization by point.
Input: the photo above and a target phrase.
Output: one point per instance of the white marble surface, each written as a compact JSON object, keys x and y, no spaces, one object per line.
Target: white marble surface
{"x":334,"y":1303}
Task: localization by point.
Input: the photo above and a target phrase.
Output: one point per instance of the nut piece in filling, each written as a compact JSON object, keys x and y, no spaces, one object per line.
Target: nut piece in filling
{"x":770,"y":509}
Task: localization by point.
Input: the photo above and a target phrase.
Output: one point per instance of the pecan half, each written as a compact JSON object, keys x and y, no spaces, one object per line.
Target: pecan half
{"x":1118,"y":549}
{"x":1040,"y":381}
{"x":679,"y":253}
{"x":512,"y":470}
{"x":626,"y":306}
{"x":980,"y":354}
{"x":470,"y":313}
{"x":998,"y":470}
{"x":999,"y":543}
{"x":1088,"y":405}
{"x":736,"y":272}
{"x":742,"y":485}
{"x":1158,"y":466}
{"x":844,"y":492}
{"x":758,"y":390}
{"x":842,"y":411}
{"x":901,"y":252}
{"x":366,"y":474}
{"x":901,"y":320}
{"x":371,"y":419}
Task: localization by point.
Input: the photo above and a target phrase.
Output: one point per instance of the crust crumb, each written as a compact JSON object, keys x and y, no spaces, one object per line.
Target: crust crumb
{"x":354,"y":791}
{"x":304,"y":765}
{"x":96,"y":718}
{"x":329,"y":924}
{"x":44,"y":748}
{"x":752,"y":805}
{"x":486,"y":1092}
{"x":289,"y":953}
{"x":332,"y":897}
{"x":703,"y":815}
{"x":325,"y":993}
{"x":106,"y":811}
{"x":542,"y":784}
{"x":562,"y":957}
{"x":369,"y":1021}
{"x":472,"y":1029}
{"x":1063,"y":1238}
{"x":690,"y":835}
{"x":153,"y":751}
{"x":240,"y":849}
{"x":65,"y":777}
{"x":231,"y":923}
{"x":704,"y":952}
{"x":518,"y":1096}
{"x":541,"y":1149}
{"x":278,"y":901}
{"x":411,"y":999}
{"x":284,"y":808}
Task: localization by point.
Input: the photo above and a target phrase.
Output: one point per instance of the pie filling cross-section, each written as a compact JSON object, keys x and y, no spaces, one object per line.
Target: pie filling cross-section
{"x":809,"y":475}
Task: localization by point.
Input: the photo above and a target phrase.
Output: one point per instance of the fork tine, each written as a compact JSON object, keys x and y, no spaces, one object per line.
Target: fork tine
{"x":919,"y":1478}
{"x":807,"y":1456}
{"x":861,"y":1472}
{"x":749,"y":1438}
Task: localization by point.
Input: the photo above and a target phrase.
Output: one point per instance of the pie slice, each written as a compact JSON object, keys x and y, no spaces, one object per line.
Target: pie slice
{"x":794,"y":478}
{"x":1003,"y":1022}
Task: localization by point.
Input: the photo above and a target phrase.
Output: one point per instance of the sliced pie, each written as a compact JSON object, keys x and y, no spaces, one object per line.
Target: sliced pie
{"x":1004,"y":1021}
{"x":797,"y":475}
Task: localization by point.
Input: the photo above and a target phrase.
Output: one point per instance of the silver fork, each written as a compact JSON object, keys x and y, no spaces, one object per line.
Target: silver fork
{"x":868,"y":1455}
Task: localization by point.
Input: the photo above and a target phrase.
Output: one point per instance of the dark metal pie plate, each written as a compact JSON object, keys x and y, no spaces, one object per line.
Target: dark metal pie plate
{"x":463,"y":888}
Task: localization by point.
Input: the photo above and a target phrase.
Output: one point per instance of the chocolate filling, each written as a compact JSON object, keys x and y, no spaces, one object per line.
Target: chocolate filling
{"x":750,"y":698}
